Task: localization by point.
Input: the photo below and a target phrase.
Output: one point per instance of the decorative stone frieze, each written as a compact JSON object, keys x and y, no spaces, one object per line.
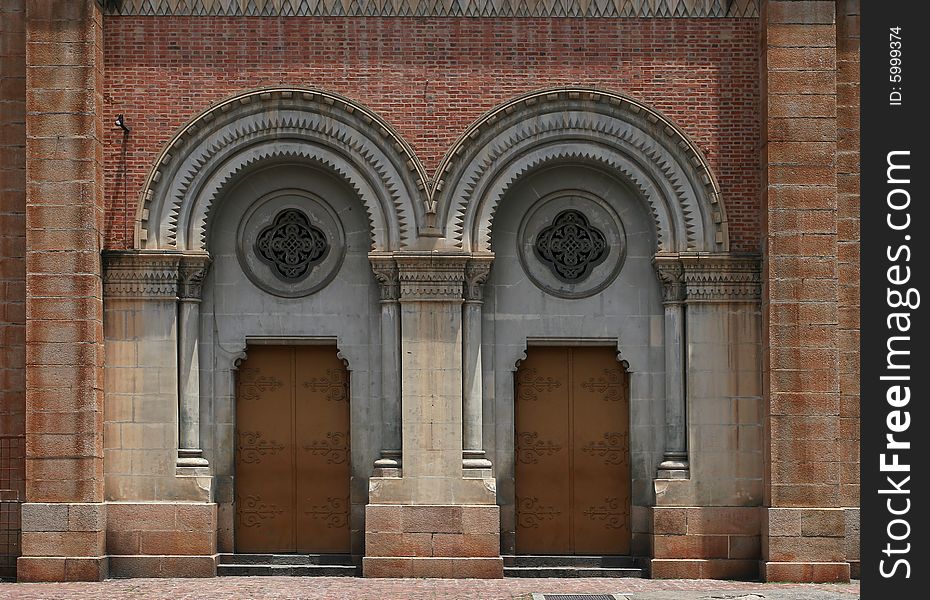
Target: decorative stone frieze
{"x":426,"y":277}
{"x":722,"y":278}
{"x":432,"y":8}
{"x":140,"y":274}
{"x":709,"y":278}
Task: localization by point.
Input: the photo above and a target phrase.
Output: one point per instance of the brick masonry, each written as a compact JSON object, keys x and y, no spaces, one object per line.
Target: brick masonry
{"x":801,"y":295}
{"x":420,"y":73}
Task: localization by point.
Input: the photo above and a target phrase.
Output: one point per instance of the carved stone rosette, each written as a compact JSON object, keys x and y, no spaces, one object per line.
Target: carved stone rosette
{"x":431,"y":277}
{"x":136,"y":274}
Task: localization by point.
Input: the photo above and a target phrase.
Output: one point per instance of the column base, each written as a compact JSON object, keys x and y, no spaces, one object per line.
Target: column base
{"x":674,"y":466}
{"x":805,"y":572}
{"x":191,"y":457}
{"x":389,"y":465}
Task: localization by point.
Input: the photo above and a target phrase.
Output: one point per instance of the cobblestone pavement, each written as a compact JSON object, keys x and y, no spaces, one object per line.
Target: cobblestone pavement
{"x":340,"y":588}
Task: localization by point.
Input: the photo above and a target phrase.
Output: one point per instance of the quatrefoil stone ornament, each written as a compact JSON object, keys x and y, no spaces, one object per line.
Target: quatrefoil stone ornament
{"x":571,"y":246}
{"x":291,"y":245}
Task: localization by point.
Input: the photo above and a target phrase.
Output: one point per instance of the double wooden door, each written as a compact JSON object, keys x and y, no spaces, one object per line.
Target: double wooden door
{"x":292,"y":451}
{"x":572,"y":453}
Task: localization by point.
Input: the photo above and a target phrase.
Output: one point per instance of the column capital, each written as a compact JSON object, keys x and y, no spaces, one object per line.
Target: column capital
{"x":191,"y":272}
{"x":385,"y":269}
{"x":671,"y":275}
{"x":477,"y":270}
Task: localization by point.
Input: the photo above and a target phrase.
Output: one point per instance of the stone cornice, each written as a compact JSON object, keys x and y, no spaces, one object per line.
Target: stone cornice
{"x":438,"y":8}
{"x":431,"y":276}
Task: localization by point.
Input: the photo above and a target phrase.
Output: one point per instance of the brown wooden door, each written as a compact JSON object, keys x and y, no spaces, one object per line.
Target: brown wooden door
{"x":572,"y":453}
{"x":292,"y":451}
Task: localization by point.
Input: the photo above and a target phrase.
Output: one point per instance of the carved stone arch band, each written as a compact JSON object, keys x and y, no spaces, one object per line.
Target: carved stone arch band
{"x":627,"y":138}
{"x":235,"y":134}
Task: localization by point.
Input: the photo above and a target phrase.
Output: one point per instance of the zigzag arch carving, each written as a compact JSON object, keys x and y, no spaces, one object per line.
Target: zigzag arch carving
{"x":632,"y":140}
{"x":377,"y":163}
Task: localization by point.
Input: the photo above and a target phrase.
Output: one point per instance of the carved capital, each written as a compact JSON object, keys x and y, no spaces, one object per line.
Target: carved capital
{"x":141,"y":274}
{"x":672,"y":277}
{"x":722,"y":278}
{"x":191,"y":272}
{"x":431,"y":277}
{"x":477,"y":270}
{"x":385,"y":270}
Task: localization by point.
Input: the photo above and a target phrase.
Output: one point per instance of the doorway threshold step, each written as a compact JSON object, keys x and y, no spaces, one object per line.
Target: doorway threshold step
{"x":299,"y":565}
{"x":567,"y":572}
{"x":570,"y":566}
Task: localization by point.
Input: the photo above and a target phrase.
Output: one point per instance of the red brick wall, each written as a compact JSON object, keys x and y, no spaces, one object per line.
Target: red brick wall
{"x":430,"y":78}
{"x":12,"y":249}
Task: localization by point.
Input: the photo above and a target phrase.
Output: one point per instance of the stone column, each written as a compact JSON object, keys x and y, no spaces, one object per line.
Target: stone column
{"x":389,"y":464}
{"x":803,"y":537}
{"x":191,"y":271}
{"x":432,"y":522}
{"x":63,"y":519}
{"x":674,"y":464}
{"x":473,"y":455}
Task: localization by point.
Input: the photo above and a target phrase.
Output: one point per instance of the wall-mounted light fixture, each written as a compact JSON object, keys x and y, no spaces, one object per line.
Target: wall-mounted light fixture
{"x":121,"y":123}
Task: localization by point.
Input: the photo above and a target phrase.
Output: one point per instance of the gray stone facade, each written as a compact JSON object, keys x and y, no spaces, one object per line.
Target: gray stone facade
{"x":432,"y":293}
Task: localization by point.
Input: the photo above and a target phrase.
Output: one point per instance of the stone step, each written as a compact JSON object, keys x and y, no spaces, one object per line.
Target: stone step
{"x":579,"y":561}
{"x":568,"y":572}
{"x":287,"y":570}
{"x":287,"y":559}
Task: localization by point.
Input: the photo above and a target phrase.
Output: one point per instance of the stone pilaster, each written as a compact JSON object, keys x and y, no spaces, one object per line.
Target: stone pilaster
{"x":191,"y":271}
{"x":803,"y":527}
{"x":432,"y":522}
{"x":473,"y":456}
{"x":390,"y":461}
{"x":64,"y":309}
{"x":674,"y":463}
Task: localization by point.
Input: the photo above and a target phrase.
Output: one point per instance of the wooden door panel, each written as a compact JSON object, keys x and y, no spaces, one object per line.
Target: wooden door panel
{"x":264,"y":452}
{"x":572,"y":453}
{"x":292,"y":452}
{"x":323,"y":458}
{"x":601,"y":476}
{"x":543,"y":453}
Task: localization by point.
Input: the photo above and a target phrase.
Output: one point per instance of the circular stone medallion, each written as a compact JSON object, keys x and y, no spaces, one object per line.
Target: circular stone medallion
{"x":571,"y":244}
{"x":290,"y":243}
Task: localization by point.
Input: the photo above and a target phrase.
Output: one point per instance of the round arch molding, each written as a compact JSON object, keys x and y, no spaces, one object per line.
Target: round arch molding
{"x":269,"y":126}
{"x":608,"y":130}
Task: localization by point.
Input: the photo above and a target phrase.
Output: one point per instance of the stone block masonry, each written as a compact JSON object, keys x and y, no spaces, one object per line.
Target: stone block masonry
{"x":803,"y":526}
{"x":64,"y":305}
